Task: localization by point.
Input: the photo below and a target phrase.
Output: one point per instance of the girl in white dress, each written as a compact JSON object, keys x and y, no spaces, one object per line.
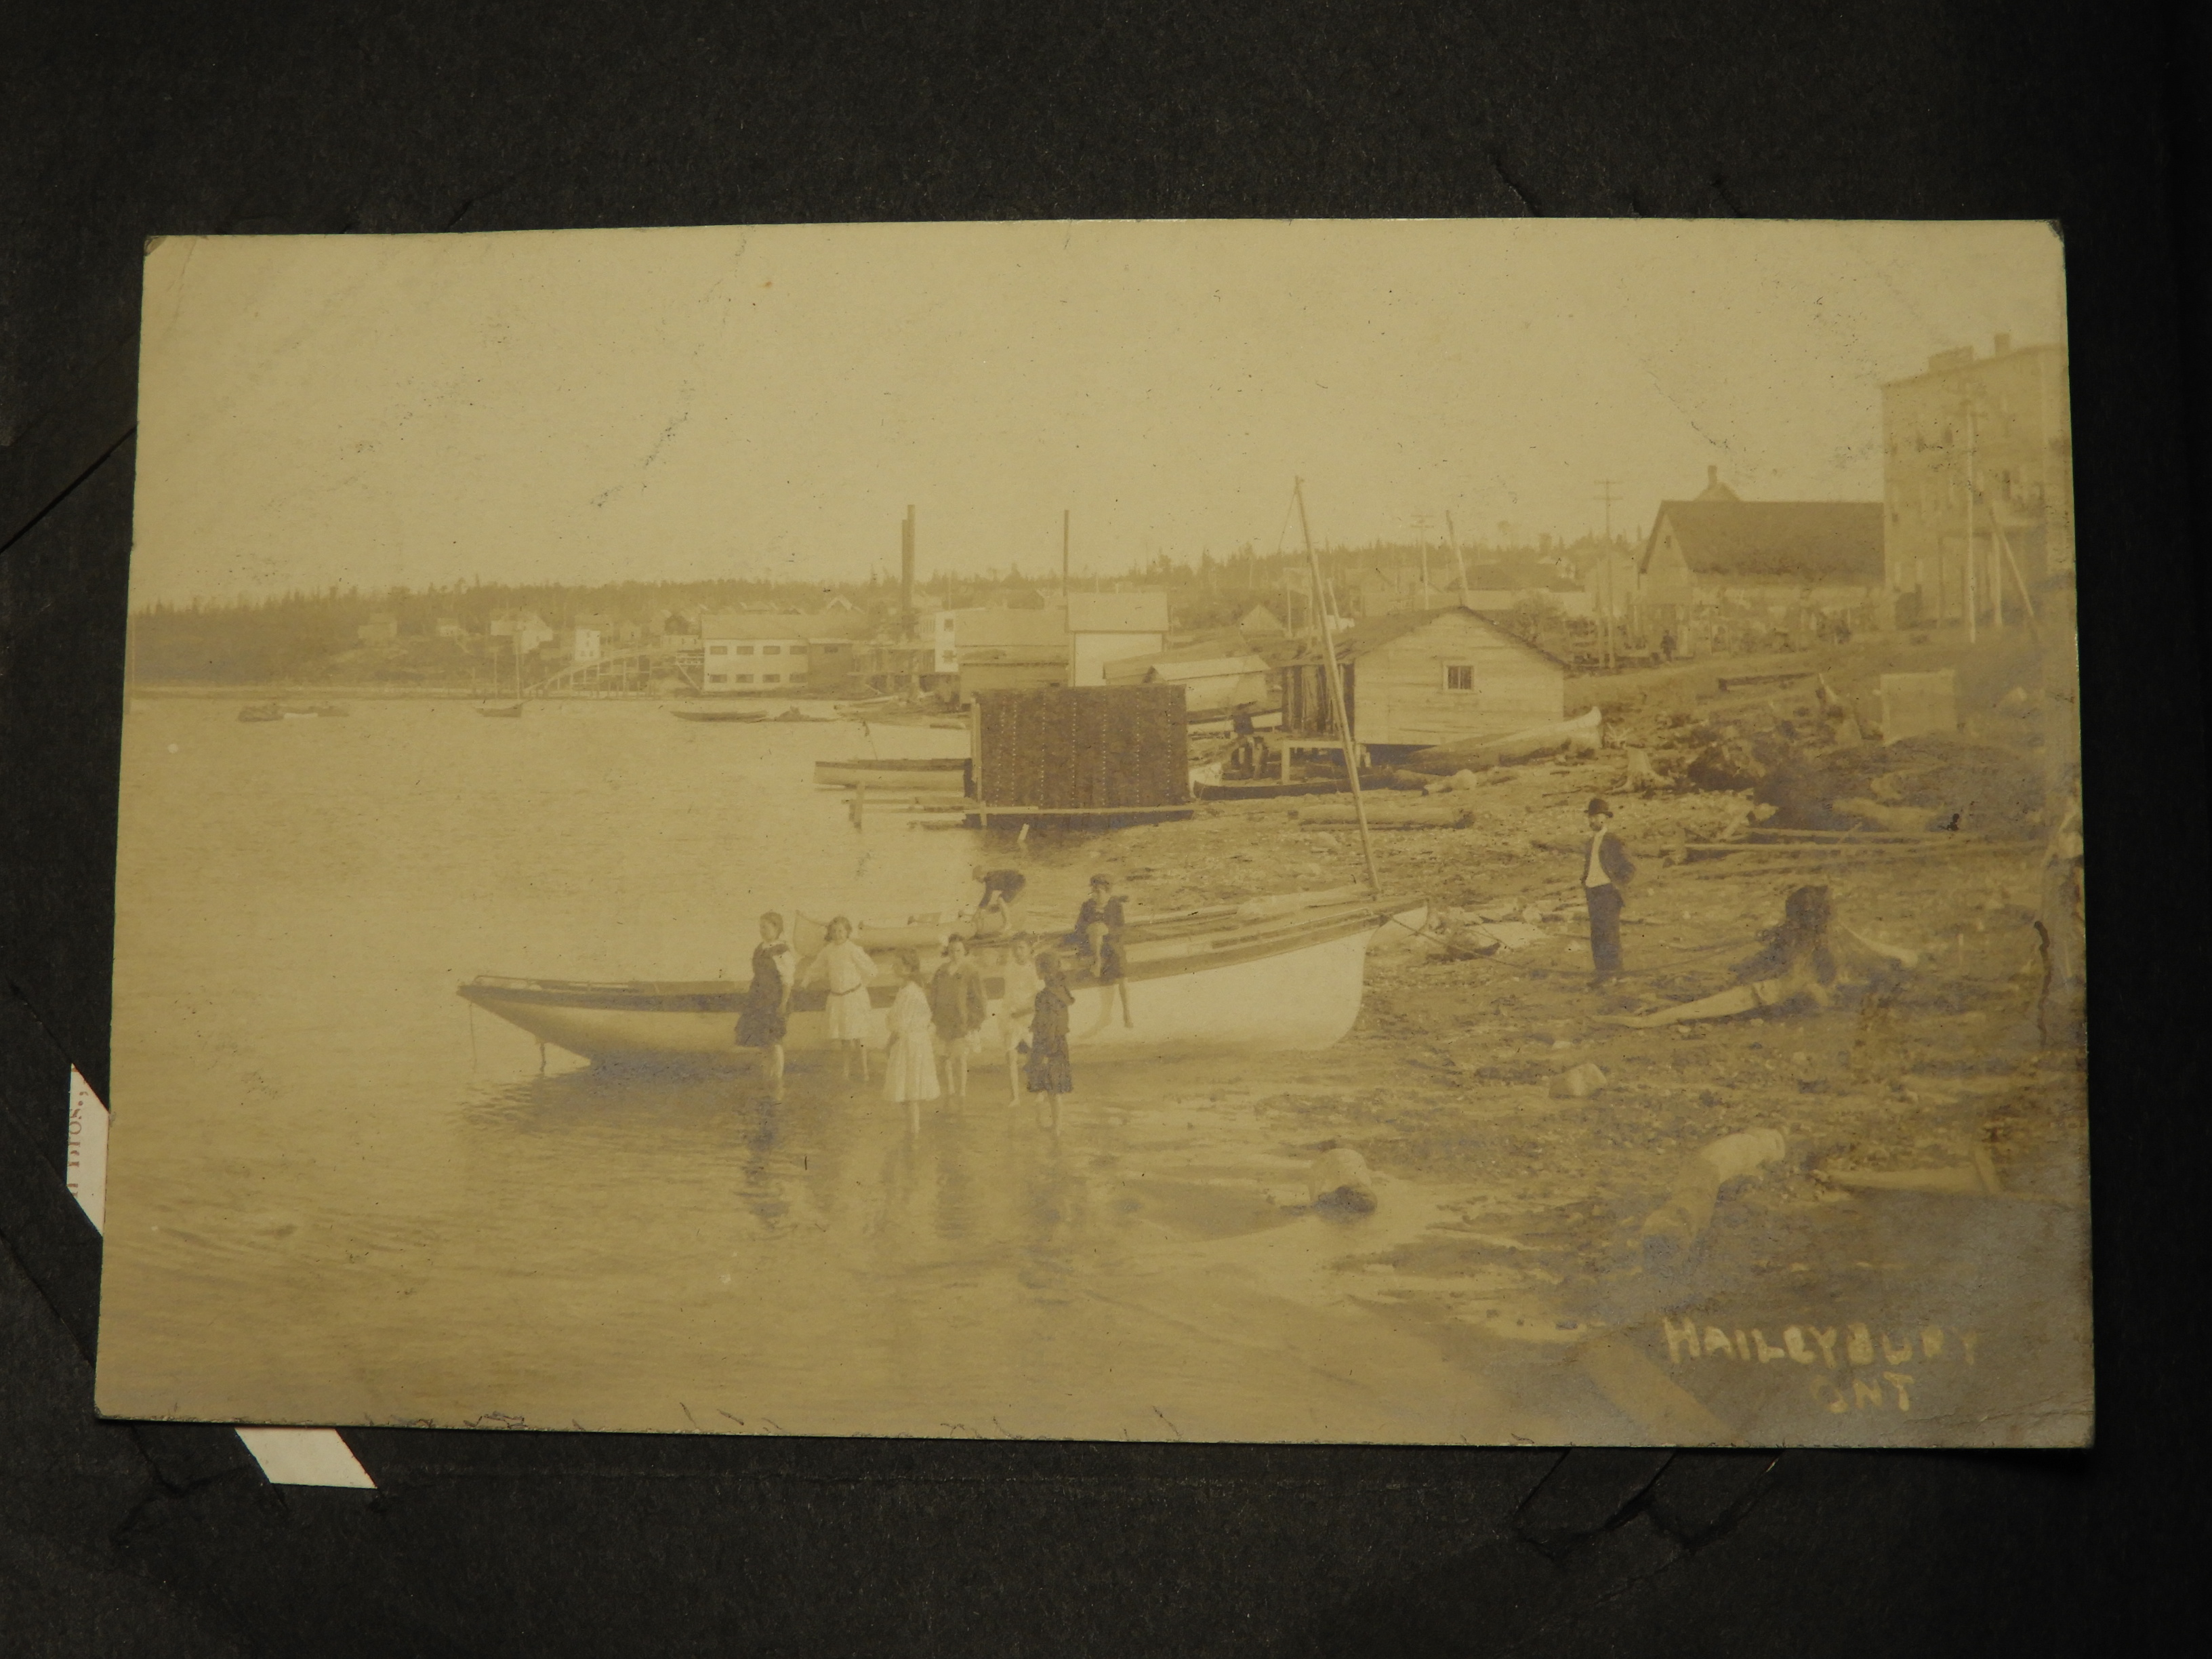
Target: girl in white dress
{"x":910,"y":1063}
{"x":848,"y":970}
{"x":1018,"y":1008}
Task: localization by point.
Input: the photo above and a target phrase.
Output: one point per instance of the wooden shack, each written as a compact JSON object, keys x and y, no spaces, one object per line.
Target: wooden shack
{"x":1419,"y":679}
{"x":1081,"y":750}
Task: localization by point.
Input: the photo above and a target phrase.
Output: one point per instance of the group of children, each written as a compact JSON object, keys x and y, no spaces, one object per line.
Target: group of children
{"x":938,"y":1017}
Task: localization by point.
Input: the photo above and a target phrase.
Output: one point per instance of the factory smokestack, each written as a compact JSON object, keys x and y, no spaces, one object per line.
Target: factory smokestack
{"x":906,"y":573}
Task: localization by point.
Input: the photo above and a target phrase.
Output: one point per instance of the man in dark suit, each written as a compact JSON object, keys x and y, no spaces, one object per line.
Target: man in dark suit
{"x":1607,"y":872}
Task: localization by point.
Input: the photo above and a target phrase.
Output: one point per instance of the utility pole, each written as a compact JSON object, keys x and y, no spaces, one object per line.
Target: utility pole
{"x":1063,"y":556}
{"x":1605,"y":570}
{"x":1458,"y":563}
{"x":1421,"y":540}
{"x":1972,"y":599}
{"x":1334,"y":676}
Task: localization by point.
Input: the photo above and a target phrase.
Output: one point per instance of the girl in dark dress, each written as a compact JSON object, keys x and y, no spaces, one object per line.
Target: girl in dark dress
{"x":1049,"y":1072}
{"x":1097,"y":934}
{"x":765,"y":1016}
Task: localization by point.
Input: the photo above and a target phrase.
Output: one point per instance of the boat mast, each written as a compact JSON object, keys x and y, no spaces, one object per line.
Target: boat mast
{"x":1335,"y":678}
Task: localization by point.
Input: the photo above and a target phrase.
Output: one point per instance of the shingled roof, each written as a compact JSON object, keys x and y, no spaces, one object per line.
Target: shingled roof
{"x":1375,"y":632}
{"x":1774,"y":541}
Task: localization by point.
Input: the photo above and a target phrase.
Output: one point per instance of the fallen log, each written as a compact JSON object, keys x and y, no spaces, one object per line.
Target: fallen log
{"x":1908,"y":819}
{"x":1977,"y":1179}
{"x":1392,"y":816}
{"x":1672,"y":1231}
{"x":1699,"y":850}
{"x":1585,"y":731}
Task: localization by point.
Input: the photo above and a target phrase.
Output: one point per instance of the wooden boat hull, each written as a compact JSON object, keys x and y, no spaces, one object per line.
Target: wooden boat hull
{"x":919,"y":776}
{"x":512,"y":713}
{"x":1294,"y":984}
{"x":720,"y":716}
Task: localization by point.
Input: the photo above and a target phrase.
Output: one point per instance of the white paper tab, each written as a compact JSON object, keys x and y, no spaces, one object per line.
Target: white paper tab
{"x":88,"y":1150}
{"x":305,"y":1457}
{"x":289,"y":1457}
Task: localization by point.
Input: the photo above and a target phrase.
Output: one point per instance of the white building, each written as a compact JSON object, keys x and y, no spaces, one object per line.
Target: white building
{"x":583,"y":645}
{"x":754,"y":651}
{"x":1104,"y":628}
{"x":526,"y":627}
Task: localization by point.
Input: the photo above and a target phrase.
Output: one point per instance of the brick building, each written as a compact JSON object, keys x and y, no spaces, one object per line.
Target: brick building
{"x":1994,"y":430}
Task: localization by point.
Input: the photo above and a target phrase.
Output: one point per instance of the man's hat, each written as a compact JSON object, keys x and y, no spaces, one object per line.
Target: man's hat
{"x":1597,"y":806}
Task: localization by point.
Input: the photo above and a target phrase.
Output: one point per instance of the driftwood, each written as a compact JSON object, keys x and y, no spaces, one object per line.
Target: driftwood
{"x":1579,"y":1083}
{"x":1977,"y":1180}
{"x":1340,"y":1180}
{"x":1672,"y":1231}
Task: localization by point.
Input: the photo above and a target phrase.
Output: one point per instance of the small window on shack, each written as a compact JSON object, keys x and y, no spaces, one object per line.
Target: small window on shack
{"x":771,"y":680}
{"x":771,"y":651}
{"x":718,"y":650}
{"x":1459,"y":677}
{"x":743,"y":679}
{"x":718,"y":679}
{"x":741,"y":650}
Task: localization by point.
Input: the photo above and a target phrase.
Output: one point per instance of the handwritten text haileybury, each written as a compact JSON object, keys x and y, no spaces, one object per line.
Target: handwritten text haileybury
{"x":1817,"y":1347}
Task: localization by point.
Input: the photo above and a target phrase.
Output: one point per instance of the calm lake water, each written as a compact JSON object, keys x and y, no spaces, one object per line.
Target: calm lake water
{"x":338,"y":1195}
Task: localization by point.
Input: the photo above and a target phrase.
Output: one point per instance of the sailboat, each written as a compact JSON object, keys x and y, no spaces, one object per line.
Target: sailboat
{"x":1277,"y":974}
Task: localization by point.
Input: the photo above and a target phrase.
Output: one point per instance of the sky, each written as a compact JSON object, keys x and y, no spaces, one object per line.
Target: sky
{"x":679,"y":404}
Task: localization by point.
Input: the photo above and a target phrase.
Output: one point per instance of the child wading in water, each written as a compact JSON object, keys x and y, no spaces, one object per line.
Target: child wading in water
{"x":1049,"y":1071}
{"x":847,"y":970}
{"x":910,"y":1062}
{"x":958,"y":1007}
{"x":765,"y":1017}
{"x":1017,"y":1009}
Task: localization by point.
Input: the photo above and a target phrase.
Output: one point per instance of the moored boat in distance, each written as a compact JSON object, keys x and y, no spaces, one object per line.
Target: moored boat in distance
{"x":1283,"y":974}
{"x":508,"y":711}
{"x":277,"y":711}
{"x":948,"y":774}
{"x":721,"y":716}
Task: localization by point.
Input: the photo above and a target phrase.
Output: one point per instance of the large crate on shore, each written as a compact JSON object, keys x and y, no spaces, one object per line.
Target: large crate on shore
{"x":1917,"y":705}
{"x":1082,"y":748}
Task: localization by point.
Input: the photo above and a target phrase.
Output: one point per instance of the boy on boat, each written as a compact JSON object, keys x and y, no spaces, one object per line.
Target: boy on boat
{"x":994,"y":911}
{"x":848,"y":970}
{"x":765,"y":1017}
{"x":957,"y":1007}
{"x":910,"y":1062}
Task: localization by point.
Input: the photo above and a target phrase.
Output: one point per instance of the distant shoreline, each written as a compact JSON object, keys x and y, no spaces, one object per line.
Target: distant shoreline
{"x":317,"y":691}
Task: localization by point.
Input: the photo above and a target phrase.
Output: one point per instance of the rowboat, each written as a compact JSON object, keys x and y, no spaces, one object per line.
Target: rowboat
{"x":908,"y":774}
{"x":510,"y":711}
{"x":1285,"y":973}
{"x":729,"y":716}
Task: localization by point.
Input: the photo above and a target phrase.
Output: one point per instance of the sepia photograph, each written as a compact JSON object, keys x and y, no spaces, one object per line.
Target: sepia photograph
{"x":1349,"y":831}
